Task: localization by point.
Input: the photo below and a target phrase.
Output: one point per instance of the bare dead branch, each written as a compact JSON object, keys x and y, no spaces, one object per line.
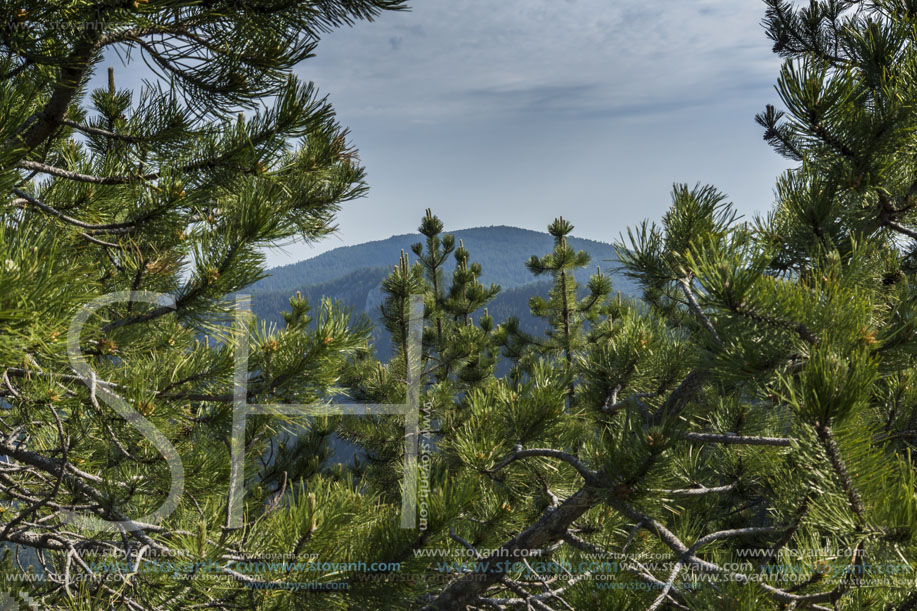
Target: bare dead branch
{"x":701,"y":491}
{"x":731,"y":439}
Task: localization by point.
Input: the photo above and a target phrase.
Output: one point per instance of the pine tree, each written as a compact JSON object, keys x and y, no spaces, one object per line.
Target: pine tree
{"x":458,"y":353}
{"x":449,"y":309}
{"x":174,"y":189}
{"x":457,"y":359}
{"x":436,"y":254}
{"x":571,"y":320}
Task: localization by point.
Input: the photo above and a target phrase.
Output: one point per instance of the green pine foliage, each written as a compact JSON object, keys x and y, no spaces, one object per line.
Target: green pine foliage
{"x":750,"y":420}
{"x":173,"y":189}
{"x":739,"y":438}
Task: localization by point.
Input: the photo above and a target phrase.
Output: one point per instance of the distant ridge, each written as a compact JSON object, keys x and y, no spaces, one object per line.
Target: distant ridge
{"x":501,"y":250}
{"x":351,"y":275}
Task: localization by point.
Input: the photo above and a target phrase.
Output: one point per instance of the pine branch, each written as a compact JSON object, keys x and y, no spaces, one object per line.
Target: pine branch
{"x":15,"y":71}
{"x":95,"y":131}
{"x":778,"y":10}
{"x":89,"y":238}
{"x":688,"y":555}
{"x":536,"y":599}
{"x":103,"y":228}
{"x":800,"y":329}
{"x":643,"y":574}
{"x":840,"y":470}
{"x":830,"y":139}
{"x":667,"y":587}
{"x":75,"y":479}
{"x":695,"y":307}
{"x":130,"y":34}
{"x":75,"y":67}
{"x":591,"y":477}
{"x":900,"y":229}
{"x":551,"y":527}
{"x":686,"y":391}
{"x":75,"y":176}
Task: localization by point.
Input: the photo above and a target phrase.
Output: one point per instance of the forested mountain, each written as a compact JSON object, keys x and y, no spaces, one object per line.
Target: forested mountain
{"x":361,"y":291}
{"x":352,"y":274}
{"x":501,"y":251}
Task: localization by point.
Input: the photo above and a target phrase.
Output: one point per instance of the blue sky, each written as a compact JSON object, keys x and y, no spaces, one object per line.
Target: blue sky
{"x":517,"y":111}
